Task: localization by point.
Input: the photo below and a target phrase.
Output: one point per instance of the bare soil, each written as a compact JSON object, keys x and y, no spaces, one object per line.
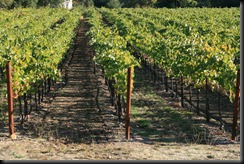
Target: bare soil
{"x":78,"y":122}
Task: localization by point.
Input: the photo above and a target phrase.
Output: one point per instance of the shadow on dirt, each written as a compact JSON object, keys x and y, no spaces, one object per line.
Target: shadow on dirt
{"x":157,"y":116}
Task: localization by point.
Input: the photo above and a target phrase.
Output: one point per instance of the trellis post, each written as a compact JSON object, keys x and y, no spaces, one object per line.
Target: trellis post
{"x":235,"y":114}
{"x":128,"y":102}
{"x":10,"y":101}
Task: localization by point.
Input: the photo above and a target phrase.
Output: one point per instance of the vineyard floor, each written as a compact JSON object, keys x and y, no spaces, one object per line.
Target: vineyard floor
{"x":79,"y":123}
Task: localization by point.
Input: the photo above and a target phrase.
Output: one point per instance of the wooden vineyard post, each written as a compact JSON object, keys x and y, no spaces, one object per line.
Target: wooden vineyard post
{"x":128,"y":102}
{"x":10,"y":101}
{"x":235,"y":114}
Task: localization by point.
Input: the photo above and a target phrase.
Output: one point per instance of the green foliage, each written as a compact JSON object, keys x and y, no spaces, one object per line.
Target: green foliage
{"x":114,"y":4}
{"x":177,"y":3}
{"x":24,"y":3}
{"x":186,"y":3}
{"x":35,"y":44}
{"x":85,"y":3}
{"x":54,"y":3}
{"x":111,"y":51}
{"x":122,"y":3}
{"x":27,"y":3}
{"x":139,"y":3}
{"x":194,"y":43}
{"x":6,"y":3}
{"x":147,"y":3}
{"x":181,"y":3}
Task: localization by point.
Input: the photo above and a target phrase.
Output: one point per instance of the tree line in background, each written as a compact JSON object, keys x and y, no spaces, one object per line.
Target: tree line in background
{"x":9,"y":4}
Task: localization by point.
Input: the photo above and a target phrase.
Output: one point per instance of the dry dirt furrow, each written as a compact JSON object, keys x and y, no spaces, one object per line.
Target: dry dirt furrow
{"x":78,"y":113}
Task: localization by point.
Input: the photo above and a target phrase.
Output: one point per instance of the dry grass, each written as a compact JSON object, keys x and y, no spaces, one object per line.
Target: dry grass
{"x":40,"y":149}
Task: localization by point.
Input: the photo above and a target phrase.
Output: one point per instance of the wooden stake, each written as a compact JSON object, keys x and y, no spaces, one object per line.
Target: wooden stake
{"x":235,"y":114}
{"x":10,"y":101}
{"x":128,"y":102}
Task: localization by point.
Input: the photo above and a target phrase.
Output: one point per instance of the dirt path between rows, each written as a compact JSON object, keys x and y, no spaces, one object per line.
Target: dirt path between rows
{"x":79,"y":123}
{"x":80,"y":112}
